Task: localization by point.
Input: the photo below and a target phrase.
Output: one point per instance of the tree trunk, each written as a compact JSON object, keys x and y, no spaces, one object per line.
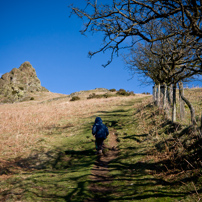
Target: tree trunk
{"x":182,"y":109}
{"x":159,"y":95}
{"x":174,"y":104}
{"x":164,"y":97}
{"x":169,"y":95}
{"x":192,"y":111}
{"x":154,"y":94}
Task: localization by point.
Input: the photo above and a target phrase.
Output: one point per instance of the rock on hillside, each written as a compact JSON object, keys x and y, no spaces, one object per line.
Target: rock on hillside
{"x":18,"y":83}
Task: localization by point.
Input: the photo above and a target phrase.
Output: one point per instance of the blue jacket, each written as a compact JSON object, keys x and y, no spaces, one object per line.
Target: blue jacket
{"x":99,"y":129}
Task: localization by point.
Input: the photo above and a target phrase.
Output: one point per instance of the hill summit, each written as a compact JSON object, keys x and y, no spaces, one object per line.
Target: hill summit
{"x":19,"y":83}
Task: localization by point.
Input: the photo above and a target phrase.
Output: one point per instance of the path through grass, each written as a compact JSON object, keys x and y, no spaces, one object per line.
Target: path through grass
{"x":64,"y":172}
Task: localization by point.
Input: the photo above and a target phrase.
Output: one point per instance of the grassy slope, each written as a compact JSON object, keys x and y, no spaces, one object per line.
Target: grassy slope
{"x":146,"y":169}
{"x":159,"y":161}
{"x":58,"y":168}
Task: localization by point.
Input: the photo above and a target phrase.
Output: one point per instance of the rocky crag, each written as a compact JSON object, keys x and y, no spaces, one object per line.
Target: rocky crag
{"x":19,"y":84}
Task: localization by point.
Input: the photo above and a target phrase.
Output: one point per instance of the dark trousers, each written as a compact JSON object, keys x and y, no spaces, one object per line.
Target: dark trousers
{"x":99,"y":143}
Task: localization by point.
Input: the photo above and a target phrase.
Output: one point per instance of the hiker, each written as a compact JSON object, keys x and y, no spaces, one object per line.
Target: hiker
{"x":100,"y":132}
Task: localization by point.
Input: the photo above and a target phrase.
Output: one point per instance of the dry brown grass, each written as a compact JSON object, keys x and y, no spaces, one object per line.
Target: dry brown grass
{"x":194,"y":95}
{"x":23,"y":125}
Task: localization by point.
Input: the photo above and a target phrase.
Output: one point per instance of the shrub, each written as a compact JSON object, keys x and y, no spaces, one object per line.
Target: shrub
{"x":121,"y":92}
{"x":106,"y":95}
{"x":32,"y":98}
{"x":74,"y":98}
{"x":131,"y":93}
{"x":124,"y":93}
{"x":93,"y":95}
{"x":112,"y":90}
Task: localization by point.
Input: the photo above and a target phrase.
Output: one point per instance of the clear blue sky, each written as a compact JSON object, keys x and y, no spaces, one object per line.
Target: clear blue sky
{"x":41,"y":32}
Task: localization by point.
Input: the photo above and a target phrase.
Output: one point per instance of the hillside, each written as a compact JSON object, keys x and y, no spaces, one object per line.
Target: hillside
{"x":48,"y":152}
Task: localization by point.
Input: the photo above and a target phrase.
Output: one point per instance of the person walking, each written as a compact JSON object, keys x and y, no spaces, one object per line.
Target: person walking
{"x":100,"y":132}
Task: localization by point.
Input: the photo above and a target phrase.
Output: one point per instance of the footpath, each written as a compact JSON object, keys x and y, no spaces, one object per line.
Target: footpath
{"x":100,"y":172}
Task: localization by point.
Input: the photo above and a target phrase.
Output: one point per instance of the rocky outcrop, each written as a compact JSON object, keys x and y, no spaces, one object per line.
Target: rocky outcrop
{"x":19,"y":83}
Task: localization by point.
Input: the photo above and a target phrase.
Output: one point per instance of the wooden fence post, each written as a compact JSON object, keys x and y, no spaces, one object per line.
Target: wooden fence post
{"x":154,"y":94}
{"x":174,"y":104}
{"x":159,"y":95}
{"x":182,"y":109}
{"x":164,"y":97}
{"x":191,"y":108}
{"x":169,"y":94}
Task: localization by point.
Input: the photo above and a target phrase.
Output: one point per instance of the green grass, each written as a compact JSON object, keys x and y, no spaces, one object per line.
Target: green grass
{"x":139,"y":172}
{"x":136,"y":173}
{"x":62,"y":175}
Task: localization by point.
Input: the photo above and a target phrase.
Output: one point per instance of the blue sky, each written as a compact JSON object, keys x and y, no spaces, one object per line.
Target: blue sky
{"x":41,"y":32}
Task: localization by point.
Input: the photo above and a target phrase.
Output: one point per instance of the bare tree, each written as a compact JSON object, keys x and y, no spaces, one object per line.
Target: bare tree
{"x":119,"y":20}
{"x":176,"y":47}
{"x":140,"y":60}
{"x":167,"y":62}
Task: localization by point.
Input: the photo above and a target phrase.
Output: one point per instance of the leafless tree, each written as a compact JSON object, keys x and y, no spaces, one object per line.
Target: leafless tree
{"x":175,"y":48}
{"x":167,"y":61}
{"x":119,"y":20}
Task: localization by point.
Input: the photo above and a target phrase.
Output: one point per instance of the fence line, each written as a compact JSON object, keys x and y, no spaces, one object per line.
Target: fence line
{"x":165,"y":98}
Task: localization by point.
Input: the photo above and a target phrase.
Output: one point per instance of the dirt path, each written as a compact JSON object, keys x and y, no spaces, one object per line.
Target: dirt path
{"x":100,"y":177}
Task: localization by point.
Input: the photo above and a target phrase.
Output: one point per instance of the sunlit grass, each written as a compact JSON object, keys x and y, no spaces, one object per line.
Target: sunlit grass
{"x":23,"y":125}
{"x":48,"y":151}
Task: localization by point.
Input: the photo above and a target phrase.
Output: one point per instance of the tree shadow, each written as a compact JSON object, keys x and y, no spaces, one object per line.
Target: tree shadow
{"x":61,"y":176}
{"x":134,"y":137}
{"x":64,"y":175}
{"x":146,"y":179}
{"x":139,"y":180}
